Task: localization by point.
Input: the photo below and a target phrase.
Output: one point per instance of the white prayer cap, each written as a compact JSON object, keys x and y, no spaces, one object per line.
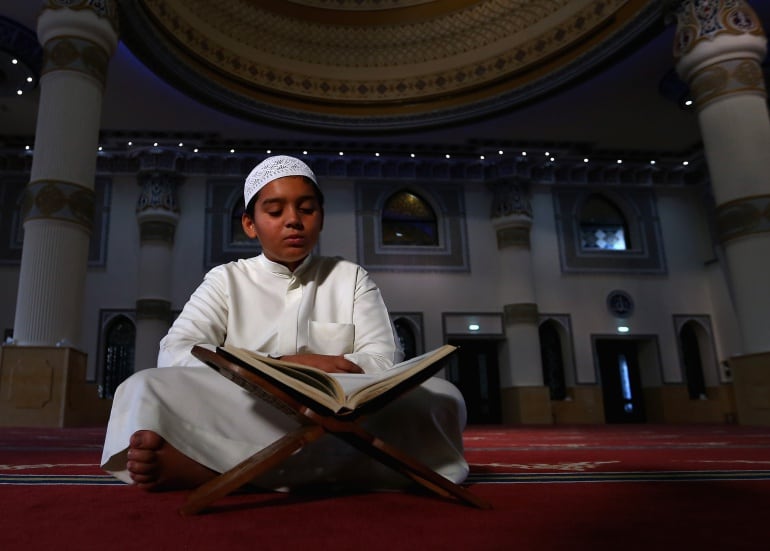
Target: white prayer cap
{"x":271,"y":169}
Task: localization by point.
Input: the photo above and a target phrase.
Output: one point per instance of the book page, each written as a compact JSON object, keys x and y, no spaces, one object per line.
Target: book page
{"x":310,"y":381}
{"x":366,"y":387}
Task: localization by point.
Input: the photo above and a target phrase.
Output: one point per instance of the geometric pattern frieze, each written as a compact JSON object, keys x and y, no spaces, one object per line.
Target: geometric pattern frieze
{"x":743,"y":217}
{"x":58,"y":200}
{"x":76,"y":54}
{"x":385,"y":64}
{"x":733,"y":76}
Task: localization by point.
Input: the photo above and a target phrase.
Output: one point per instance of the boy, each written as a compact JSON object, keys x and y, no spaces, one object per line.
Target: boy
{"x":179,"y":426}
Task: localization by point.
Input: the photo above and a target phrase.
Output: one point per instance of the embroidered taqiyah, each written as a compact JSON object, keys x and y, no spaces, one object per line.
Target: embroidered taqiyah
{"x":271,"y":169}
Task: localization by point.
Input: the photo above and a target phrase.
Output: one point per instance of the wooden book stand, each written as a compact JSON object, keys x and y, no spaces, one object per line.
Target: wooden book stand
{"x":314,"y":422}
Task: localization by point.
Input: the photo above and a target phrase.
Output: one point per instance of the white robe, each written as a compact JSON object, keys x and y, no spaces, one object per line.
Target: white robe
{"x":326,"y":306}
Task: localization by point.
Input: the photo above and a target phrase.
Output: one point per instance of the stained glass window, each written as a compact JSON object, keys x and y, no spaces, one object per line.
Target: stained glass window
{"x":603,"y":226}
{"x":407,"y":219}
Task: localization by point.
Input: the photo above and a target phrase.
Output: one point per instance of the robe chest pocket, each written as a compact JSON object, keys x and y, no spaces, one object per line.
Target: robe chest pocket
{"x":331,"y":338}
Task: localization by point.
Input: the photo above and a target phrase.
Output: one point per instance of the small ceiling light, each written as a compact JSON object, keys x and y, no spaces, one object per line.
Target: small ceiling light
{"x":552,"y":159}
{"x":15,"y":61}
{"x":620,"y":161}
{"x":652,"y":162}
{"x":482,"y":157}
{"x":585,"y":160}
{"x":195,"y":150}
{"x":268,"y":151}
{"x":547,"y":154}
{"x":448,"y":156}
{"x":29,"y":79}
{"x":412,"y":155}
{"x":500,"y":152}
{"x":130,"y":144}
{"x":473,"y":327}
{"x":523,"y":153}
{"x":341,"y":153}
{"x":100,"y":148}
{"x":623,"y":329}
{"x":688,"y":102}
{"x":155,"y":144}
{"x":19,"y":92}
{"x":181,"y":144}
{"x":685,"y":163}
{"x":27,"y":148}
{"x":304,"y":152}
{"x":376,"y":154}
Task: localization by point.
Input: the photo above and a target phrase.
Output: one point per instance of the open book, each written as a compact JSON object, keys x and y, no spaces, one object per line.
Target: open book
{"x":323,"y":404}
{"x":339,"y":394}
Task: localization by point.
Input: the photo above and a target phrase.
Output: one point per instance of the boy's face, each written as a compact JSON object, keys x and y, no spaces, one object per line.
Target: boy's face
{"x":287,"y":220}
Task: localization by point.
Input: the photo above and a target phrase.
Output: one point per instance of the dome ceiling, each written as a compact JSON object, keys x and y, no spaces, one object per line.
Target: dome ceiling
{"x":377,"y":64}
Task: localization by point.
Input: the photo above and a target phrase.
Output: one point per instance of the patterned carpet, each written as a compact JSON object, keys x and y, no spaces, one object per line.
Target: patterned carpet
{"x":632,"y":487}
{"x":605,"y":453}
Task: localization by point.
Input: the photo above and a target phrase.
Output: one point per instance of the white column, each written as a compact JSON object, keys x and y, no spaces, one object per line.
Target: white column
{"x":157,"y":214}
{"x":59,"y":202}
{"x":523,"y":397}
{"x":719,"y":47}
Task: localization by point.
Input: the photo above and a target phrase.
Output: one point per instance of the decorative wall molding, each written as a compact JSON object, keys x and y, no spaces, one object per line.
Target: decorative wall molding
{"x":743,"y":217}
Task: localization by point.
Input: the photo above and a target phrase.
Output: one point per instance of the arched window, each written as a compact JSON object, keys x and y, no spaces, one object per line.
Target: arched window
{"x":603,"y":226}
{"x":407,"y":219}
{"x":237,"y":235}
{"x":407,"y":338}
{"x":693,"y":364}
{"x":119,"y":338}
{"x":552,"y":360}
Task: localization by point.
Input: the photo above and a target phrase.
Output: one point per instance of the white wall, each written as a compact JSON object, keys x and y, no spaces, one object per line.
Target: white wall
{"x":692,"y":285}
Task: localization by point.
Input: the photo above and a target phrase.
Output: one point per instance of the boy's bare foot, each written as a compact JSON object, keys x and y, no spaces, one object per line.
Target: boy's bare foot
{"x":156,"y":465}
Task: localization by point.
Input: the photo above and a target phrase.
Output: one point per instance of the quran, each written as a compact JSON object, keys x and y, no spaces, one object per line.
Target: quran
{"x":322,"y":403}
{"x":339,"y":394}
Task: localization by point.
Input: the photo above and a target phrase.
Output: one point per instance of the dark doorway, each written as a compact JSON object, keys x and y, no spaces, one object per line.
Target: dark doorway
{"x":474,"y":370}
{"x":621,"y":381}
{"x":693,"y":365}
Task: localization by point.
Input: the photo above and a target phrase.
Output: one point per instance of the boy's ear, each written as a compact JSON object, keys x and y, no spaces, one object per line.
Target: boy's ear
{"x":249,"y":227}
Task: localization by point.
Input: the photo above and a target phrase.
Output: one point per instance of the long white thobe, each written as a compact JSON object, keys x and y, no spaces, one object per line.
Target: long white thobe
{"x":326,"y":306}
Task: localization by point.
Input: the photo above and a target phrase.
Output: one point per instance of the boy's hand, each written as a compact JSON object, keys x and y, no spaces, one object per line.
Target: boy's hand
{"x":330,"y":364}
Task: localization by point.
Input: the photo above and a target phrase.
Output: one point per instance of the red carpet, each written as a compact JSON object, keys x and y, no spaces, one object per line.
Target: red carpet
{"x":598,"y":487}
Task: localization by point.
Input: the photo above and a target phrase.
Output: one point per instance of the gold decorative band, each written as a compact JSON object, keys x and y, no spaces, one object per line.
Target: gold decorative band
{"x":70,"y":53}
{"x":742,"y":217}
{"x":523,"y":312}
{"x":157,"y":231}
{"x":513,"y":236}
{"x":58,"y":200}
{"x":153,"y":309}
{"x":733,"y":76}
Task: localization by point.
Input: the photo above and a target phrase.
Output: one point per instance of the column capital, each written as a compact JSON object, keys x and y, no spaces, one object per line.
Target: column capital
{"x":157,"y":203}
{"x":78,"y":35}
{"x":90,"y":20}
{"x":709,"y":32}
{"x":510,"y":199}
